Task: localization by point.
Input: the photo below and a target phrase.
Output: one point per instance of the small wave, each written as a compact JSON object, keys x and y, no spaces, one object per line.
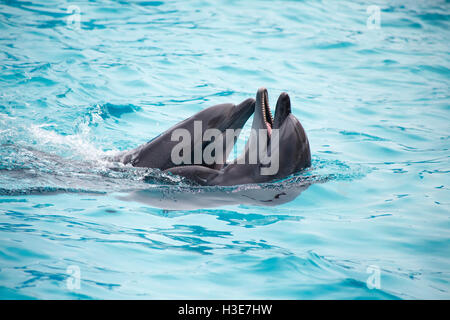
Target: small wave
{"x":77,"y":145}
{"x":108,"y":110}
{"x":44,"y":190}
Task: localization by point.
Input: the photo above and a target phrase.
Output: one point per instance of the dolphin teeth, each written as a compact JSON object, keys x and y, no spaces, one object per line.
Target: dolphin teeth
{"x":267,"y":113}
{"x":270,"y":115}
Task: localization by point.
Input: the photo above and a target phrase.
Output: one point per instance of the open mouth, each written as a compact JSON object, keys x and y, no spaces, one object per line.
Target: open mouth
{"x":267,"y":114}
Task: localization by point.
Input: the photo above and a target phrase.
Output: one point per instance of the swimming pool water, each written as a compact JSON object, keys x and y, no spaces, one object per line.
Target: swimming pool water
{"x":82,"y":80}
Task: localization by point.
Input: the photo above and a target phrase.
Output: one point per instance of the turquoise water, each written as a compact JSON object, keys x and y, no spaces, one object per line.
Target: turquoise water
{"x":374,"y":102}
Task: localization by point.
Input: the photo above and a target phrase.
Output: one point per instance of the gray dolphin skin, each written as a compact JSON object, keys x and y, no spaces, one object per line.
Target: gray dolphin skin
{"x":157,"y":152}
{"x":292,"y":149}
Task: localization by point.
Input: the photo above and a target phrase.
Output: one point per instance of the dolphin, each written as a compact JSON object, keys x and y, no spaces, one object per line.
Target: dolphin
{"x":157,"y":153}
{"x":290,"y":150}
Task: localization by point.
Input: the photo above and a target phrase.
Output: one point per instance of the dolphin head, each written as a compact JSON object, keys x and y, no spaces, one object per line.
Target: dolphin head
{"x":293,"y":145}
{"x":222,"y":118}
{"x":286,"y":141}
{"x":226,"y":116}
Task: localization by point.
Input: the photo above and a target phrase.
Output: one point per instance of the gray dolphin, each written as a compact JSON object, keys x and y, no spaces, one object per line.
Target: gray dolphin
{"x":292,"y":150}
{"x":157,"y":152}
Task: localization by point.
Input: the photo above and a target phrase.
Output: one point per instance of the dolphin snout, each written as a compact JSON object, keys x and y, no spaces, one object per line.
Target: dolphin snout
{"x":282,"y":110}
{"x":241,"y":113}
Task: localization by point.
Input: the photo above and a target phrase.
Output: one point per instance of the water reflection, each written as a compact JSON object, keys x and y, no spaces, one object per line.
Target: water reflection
{"x":192,"y":198}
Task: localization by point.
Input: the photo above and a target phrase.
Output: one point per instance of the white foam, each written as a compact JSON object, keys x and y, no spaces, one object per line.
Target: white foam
{"x":79,"y":144}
